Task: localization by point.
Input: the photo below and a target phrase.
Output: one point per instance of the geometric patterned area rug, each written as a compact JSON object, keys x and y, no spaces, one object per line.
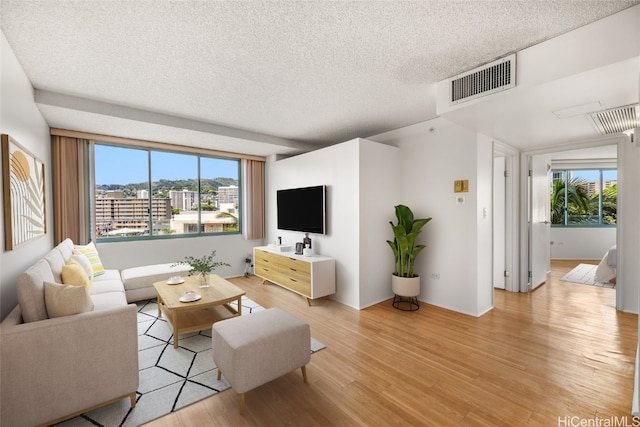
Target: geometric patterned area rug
{"x":170,"y":378}
{"x":585,"y":274}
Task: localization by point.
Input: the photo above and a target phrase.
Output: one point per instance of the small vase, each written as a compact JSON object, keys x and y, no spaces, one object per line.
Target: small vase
{"x":204,"y":280}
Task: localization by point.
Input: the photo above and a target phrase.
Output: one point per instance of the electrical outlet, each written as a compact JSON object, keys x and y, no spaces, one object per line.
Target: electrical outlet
{"x":435,"y":275}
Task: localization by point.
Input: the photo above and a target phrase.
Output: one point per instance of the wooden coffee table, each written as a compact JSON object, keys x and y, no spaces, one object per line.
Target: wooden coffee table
{"x":185,"y":317}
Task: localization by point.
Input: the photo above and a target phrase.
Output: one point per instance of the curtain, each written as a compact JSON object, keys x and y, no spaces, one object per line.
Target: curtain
{"x":253,"y":199}
{"x":70,"y":204}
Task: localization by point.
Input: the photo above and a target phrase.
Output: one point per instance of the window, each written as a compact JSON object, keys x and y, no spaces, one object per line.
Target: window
{"x":584,"y":197}
{"x":144,"y":193}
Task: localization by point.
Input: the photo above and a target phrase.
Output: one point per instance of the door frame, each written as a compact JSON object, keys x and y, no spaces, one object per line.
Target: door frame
{"x":524,"y":175}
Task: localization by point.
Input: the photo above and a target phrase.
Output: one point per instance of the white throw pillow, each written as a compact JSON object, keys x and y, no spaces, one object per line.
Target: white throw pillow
{"x":66,"y":300}
{"x":82,"y":259}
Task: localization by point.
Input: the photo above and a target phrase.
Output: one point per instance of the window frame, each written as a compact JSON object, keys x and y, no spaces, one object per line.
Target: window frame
{"x":565,"y":171}
{"x":199,"y":155}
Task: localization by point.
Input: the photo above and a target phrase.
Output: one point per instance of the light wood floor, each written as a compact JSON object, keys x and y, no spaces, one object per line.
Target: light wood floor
{"x":561,"y":351}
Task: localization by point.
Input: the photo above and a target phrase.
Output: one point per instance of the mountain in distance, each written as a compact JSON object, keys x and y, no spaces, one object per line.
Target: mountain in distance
{"x":163,"y":186}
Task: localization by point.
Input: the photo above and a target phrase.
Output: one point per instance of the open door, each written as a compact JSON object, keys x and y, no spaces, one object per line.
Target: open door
{"x":539,"y":221}
{"x":499,"y":223}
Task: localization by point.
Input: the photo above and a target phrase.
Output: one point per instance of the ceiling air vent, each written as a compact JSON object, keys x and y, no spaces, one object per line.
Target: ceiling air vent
{"x":490,"y":78}
{"x":617,"y":120}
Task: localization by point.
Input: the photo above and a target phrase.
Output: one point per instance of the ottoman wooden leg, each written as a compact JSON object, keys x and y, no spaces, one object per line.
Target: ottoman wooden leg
{"x":304,"y":373}
{"x":241,"y":403}
{"x":219,"y":374}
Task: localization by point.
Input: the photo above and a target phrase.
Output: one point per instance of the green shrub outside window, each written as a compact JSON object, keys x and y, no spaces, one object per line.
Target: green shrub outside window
{"x":584,"y":197}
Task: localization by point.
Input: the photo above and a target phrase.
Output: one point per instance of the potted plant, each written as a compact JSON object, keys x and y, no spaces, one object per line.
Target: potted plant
{"x":202,"y":266}
{"x":404,"y":282}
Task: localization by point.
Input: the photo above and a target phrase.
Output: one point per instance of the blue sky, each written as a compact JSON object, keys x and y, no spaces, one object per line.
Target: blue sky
{"x":117,"y":165}
{"x":594,"y":175}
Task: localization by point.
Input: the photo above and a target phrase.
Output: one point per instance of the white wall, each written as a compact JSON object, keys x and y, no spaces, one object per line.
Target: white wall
{"x":337,"y":168}
{"x":361,"y":180}
{"x":458,"y":238}
{"x":21,"y":119}
{"x":581,"y":243}
{"x":379,"y":185}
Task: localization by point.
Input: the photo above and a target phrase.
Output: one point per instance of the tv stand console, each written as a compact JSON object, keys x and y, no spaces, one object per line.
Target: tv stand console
{"x":310,"y":276}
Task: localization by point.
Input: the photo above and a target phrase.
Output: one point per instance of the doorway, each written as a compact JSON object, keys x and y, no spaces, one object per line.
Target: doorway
{"x":505,"y":224}
{"x":578,"y":242}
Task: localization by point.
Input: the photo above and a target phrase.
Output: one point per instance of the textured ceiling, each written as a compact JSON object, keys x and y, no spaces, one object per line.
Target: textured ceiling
{"x":309,"y":72}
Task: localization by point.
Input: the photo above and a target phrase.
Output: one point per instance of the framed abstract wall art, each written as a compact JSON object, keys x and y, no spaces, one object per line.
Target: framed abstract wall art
{"x":23,"y":194}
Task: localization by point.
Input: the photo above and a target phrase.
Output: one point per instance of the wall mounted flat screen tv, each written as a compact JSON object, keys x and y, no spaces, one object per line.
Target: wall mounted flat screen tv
{"x":302,"y":209}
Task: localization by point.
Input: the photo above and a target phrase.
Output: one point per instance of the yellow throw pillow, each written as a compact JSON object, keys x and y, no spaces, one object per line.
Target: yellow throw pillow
{"x":65,"y":300}
{"x":73,"y":274}
{"x":91,"y":253}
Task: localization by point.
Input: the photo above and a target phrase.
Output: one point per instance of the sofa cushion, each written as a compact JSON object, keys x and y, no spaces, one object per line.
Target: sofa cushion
{"x":92,"y":254}
{"x":108,"y":300}
{"x":56,"y":262}
{"x":66,"y":248}
{"x":108,"y":275}
{"x":146,"y":276}
{"x":66,"y":300}
{"x":104,"y":286}
{"x":30,"y":290}
{"x":74,"y":274}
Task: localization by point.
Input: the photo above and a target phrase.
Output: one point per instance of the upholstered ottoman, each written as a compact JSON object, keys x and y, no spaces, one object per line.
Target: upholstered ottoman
{"x":254,"y":349}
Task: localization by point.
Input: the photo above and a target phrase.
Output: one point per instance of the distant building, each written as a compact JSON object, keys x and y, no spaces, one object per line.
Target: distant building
{"x":120,"y":213}
{"x":210,"y":222}
{"x":593,"y":186}
{"x":228,"y":194}
{"x":142,"y":194}
{"x":184,"y":200}
{"x":114,"y":194}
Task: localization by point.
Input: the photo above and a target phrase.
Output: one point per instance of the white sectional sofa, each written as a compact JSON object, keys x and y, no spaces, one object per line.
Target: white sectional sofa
{"x":55,"y":368}
{"x":138,"y":281}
